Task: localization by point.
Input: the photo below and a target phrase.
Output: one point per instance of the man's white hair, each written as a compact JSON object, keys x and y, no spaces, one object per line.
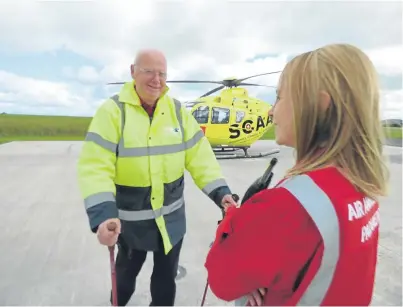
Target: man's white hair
{"x":145,"y":52}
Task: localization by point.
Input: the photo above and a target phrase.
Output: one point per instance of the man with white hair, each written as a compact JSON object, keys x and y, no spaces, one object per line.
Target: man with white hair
{"x":131,"y":172}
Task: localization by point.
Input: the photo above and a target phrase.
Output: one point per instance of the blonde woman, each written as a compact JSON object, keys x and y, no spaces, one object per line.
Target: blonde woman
{"x":313,"y":238}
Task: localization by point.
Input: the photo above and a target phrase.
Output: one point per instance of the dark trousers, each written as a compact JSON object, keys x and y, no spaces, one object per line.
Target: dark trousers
{"x":163,"y":284}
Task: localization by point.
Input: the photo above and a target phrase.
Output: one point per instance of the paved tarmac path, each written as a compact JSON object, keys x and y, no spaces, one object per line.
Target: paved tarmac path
{"x":49,"y":256}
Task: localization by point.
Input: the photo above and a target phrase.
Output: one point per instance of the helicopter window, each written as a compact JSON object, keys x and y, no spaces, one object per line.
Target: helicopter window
{"x":201,"y":114}
{"x":239,"y":116}
{"x":220,"y":116}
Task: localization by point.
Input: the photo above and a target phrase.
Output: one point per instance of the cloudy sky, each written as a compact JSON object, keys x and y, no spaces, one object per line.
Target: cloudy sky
{"x":57,"y":56}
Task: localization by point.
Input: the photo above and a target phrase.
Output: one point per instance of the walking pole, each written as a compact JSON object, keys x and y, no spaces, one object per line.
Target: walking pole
{"x":112,"y":227}
{"x":204,"y":294}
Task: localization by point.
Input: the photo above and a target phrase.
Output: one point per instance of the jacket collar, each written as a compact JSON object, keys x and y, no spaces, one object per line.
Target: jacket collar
{"x":129,"y":95}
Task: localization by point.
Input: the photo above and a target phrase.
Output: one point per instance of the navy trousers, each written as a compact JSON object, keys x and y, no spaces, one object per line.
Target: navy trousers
{"x":162,"y":286}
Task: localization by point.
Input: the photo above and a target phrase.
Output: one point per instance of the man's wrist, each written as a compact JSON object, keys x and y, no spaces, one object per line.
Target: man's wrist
{"x":218,"y":195}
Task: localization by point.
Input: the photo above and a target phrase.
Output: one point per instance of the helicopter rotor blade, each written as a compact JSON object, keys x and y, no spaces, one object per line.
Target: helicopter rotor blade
{"x":193,"y":81}
{"x":179,"y":81}
{"x":213,"y":91}
{"x":225,"y":82}
{"x":254,"y":84}
{"x":268,"y":73}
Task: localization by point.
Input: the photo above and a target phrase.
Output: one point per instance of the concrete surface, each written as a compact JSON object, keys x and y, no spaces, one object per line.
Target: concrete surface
{"x":49,"y":256}
{"x":394,"y":142}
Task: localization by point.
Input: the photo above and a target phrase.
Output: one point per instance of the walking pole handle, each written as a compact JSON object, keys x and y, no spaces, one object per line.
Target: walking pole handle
{"x":111,"y":226}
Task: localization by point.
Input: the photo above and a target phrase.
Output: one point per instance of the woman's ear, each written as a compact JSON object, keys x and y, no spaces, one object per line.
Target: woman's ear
{"x":324,"y":101}
{"x":322,"y":129}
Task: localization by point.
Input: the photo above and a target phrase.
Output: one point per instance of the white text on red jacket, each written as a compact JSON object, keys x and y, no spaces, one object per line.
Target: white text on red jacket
{"x":360,"y":209}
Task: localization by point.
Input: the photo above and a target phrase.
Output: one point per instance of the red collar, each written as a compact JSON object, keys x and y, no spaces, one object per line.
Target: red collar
{"x":149,"y":109}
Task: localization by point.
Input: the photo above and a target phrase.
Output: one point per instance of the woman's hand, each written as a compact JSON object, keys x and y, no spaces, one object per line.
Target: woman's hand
{"x":256,"y":298}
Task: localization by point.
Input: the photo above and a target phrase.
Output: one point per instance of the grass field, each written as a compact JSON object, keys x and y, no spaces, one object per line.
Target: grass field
{"x":66,"y":128}
{"x":42,"y":128}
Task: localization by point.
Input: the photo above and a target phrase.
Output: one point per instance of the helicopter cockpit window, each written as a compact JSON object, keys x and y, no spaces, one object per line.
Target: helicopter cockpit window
{"x":239,"y":116}
{"x":201,"y":114}
{"x":220,"y":116}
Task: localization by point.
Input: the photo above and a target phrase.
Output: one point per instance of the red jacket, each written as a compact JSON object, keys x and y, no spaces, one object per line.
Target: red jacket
{"x":318,"y":220}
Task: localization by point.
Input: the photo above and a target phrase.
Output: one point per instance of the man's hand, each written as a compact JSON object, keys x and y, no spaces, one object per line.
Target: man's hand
{"x":108,"y":232}
{"x":228,"y":201}
{"x":256,"y":298}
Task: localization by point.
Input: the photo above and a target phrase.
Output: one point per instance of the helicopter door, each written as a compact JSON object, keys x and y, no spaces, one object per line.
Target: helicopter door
{"x":202,"y":114}
{"x":220,"y":122}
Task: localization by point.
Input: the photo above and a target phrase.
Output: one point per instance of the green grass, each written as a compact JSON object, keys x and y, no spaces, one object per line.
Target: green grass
{"x":42,"y":128}
{"x":68,"y":128}
{"x":393,"y":132}
{"x":269,"y":135}
{"x":390,"y":133}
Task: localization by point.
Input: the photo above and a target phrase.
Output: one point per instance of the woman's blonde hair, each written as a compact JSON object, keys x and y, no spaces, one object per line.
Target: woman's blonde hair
{"x":348,"y":134}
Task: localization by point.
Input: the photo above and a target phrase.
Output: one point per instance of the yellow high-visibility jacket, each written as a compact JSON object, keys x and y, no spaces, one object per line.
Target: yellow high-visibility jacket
{"x":132,"y":168}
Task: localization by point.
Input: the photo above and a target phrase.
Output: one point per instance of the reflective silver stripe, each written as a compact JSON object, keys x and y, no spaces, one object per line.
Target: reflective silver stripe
{"x":149,"y":150}
{"x":99,"y":140}
{"x":162,"y":149}
{"x":214,"y":185}
{"x":150,"y":214}
{"x":98,"y":198}
{"x":179,"y":117}
{"x":120,"y":105}
{"x":241,"y":301}
{"x":320,"y":208}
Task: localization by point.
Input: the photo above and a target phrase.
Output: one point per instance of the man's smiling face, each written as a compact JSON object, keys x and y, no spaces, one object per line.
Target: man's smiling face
{"x":149,"y":72}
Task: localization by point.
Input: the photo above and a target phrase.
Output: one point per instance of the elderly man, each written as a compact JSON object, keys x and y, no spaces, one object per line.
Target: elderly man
{"x":131,"y":172}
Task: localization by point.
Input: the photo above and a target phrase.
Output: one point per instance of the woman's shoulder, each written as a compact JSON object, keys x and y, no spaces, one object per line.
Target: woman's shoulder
{"x":319,"y":179}
{"x":276,"y":208}
{"x":310,"y":185}
{"x":271,"y":201}
{"x":292,"y":191}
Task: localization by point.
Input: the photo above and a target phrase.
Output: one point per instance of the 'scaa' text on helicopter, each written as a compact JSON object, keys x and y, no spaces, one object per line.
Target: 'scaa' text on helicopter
{"x":247,"y":127}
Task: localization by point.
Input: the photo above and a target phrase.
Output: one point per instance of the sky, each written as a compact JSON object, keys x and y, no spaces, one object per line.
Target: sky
{"x":56,"y":57}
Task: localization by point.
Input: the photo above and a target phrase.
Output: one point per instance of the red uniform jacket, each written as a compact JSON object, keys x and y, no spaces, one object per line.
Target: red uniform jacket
{"x":311,"y":240}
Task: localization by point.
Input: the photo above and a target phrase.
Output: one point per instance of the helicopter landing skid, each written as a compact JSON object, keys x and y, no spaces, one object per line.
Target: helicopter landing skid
{"x":227,"y":156}
{"x":223,"y":148}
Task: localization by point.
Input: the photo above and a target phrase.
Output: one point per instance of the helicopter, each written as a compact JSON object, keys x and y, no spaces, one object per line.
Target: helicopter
{"x":232,"y":120}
